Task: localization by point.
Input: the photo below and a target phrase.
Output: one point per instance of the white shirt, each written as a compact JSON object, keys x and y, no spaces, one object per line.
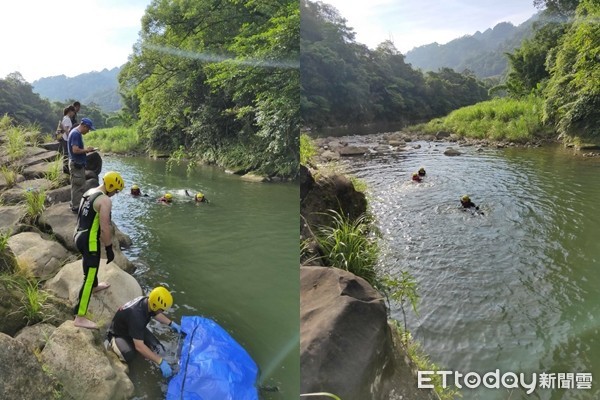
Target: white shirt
{"x":66,"y":125}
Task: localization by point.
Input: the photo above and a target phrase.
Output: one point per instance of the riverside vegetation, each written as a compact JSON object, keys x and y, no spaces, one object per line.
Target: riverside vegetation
{"x":351,"y":243}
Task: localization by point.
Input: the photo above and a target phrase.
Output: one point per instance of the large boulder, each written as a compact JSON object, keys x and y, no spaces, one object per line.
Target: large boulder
{"x":103,"y":305}
{"x":84,"y":369}
{"x":36,"y":336}
{"x":328,"y":192}
{"x":10,"y":217}
{"x":21,"y":375}
{"x":41,"y":257}
{"x":345,"y":343}
{"x":59,"y":195}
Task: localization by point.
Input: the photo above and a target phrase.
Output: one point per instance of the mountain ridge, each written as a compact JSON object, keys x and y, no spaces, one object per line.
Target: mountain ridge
{"x":98,"y":87}
{"x":482,"y":53}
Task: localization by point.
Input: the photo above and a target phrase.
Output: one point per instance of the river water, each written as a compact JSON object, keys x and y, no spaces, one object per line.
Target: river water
{"x":516,"y":289}
{"x":234,"y":260}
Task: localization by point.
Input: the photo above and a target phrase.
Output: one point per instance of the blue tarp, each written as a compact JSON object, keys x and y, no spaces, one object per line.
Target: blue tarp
{"x":212,"y":366}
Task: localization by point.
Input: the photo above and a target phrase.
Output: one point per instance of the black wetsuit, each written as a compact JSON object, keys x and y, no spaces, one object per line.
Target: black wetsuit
{"x":87,"y":240}
{"x":469,"y":204}
{"x":130,"y":323}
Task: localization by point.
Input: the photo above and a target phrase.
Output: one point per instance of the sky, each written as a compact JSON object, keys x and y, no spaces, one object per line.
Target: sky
{"x":411,"y":23}
{"x":42,"y":38}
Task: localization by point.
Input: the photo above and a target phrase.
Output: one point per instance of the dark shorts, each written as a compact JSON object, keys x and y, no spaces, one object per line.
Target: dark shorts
{"x":124,"y":347}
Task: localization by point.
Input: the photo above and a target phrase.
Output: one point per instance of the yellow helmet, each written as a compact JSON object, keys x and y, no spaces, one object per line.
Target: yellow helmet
{"x":160,"y":299}
{"x":199,"y":195}
{"x":168,"y":196}
{"x":135,"y":187}
{"x":113,"y":181}
{"x":465,"y":198}
{"x":421,"y":170}
{"x":415,"y":174}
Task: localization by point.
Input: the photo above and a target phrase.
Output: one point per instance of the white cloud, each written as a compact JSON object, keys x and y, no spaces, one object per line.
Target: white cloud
{"x":411,"y":23}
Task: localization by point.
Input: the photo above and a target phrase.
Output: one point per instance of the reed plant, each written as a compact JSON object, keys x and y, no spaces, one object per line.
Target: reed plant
{"x":10,"y":175}
{"x":349,"y":245}
{"x":402,"y":290}
{"x":55,"y":172}
{"x":118,"y":139}
{"x":5,"y":122}
{"x":516,"y":120}
{"x":34,"y":301}
{"x":307,"y":149}
{"x":15,"y":143}
{"x":34,"y":203}
{"x":4,"y":236}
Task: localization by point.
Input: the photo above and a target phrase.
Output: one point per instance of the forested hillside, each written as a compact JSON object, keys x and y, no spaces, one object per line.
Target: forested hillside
{"x":482,"y":53}
{"x":101,"y":88}
{"x":344,"y":82}
{"x":25,"y":107}
{"x":219,"y":81}
{"x":554,"y":74}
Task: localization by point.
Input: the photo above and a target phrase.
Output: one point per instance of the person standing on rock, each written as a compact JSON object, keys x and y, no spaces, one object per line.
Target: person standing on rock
{"x":128,"y":333}
{"x":77,"y":160}
{"x":94,"y":228}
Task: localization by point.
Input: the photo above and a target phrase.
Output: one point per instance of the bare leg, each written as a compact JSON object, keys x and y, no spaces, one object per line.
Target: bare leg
{"x":83,"y":322}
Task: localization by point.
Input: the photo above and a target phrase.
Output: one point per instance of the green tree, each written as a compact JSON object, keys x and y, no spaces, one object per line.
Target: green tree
{"x":219,"y":78}
{"x":573,"y":94}
{"x":23,"y":106}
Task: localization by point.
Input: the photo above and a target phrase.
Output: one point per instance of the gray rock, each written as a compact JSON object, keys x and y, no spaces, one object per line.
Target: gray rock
{"x":349,"y":151}
{"x":84,"y":369}
{"x":452,"y":152}
{"x":36,"y":336}
{"x":21,"y":375}
{"x":252,"y":177}
{"x":345,"y":342}
{"x":67,"y":283}
{"x":41,"y":257}
{"x":329,"y":155}
{"x":10,"y":217}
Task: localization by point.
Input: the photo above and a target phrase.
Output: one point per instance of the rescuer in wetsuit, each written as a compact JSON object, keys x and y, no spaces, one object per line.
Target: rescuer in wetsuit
{"x":93,"y":229}
{"x":128,"y":333}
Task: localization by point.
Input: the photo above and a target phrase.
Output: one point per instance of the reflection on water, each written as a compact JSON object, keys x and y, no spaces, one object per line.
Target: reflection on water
{"x":234,"y":260}
{"x":516,"y":289}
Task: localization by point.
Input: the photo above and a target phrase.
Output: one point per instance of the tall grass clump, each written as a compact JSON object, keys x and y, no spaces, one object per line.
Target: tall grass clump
{"x":15,"y":143}
{"x":5,"y":122}
{"x":349,"y":245}
{"x":307,"y":149}
{"x":118,"y":139}
{"x":516,"y":120}
{"x":10,"y":175}
{"x":55,"y":172}
{"x":34,"y":301}
{"x":4,"y":236}
{"x":34,"y":203}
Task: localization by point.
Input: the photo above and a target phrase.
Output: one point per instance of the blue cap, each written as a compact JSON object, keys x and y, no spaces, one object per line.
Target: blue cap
{"x":88,"y":122}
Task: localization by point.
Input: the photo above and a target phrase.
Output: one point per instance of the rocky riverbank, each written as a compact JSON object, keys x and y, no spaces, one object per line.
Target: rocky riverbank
{"x":347,"y":344}
{"x":43,"y":354}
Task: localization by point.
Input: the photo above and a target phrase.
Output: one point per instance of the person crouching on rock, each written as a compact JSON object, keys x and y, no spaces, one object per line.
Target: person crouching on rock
{"x":128,"y":333}
{"x":94,"y":228}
